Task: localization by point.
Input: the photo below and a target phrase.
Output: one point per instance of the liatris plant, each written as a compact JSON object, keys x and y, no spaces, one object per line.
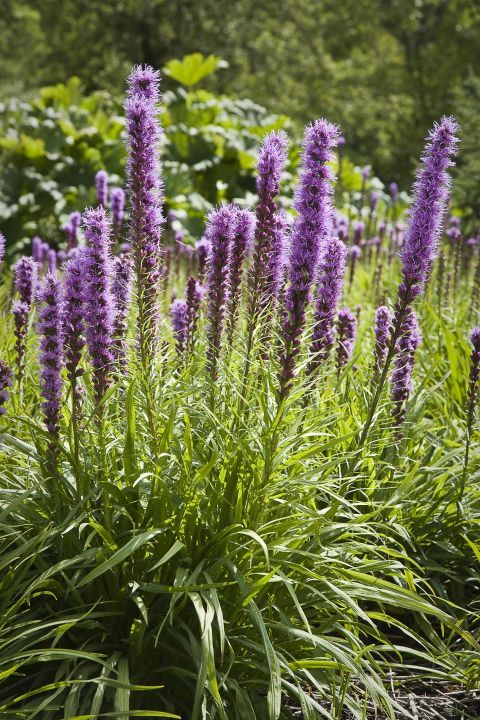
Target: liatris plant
{"x":313,"y":205}
{"x":193,"y":296}
{"x":327,"y":296}
{"x":122,"y":291}
{"x":382,"y":330}
{"x":73,"y":324}
{"x":117,"y":203}
{"x":71,"y":229}
{"x":99,"y":302}
{"x":405,"y":349}
{"x":101,"y":187}
{"x":2,"y":248}
{"x":6,"y":378}
{"x":220,"y":231}
{"x":37,"y":250}
{"x":146,"y":198}
{"x":277,"y":261}
{"x":20,"y":311}
{"x":244,"y":229}
{"x":179,"y":316}
{"x":52,"y":260}
{"x":25,"y":273}
{"x":346,"y":334}
{"x":50,"y":329}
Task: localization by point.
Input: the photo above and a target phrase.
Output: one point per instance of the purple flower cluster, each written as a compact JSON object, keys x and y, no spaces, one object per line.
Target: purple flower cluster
{"x":99,"y":302}
{"x":203,"y":252}
{"x":73,"y":318}
{"x":20,"y":311}
{"x":2,"y":248}
{"x":220,"y":232}
{"x":431,"y":191}
{"x":117,"y":205}
{"x":122,"y":292}
{"x":71,"y":229}
{"x":382,"y":330}
{"x":50,"y":329}
{"x":6,"y":378}
{"x":313,"y":205}
{"x":405,"y":349}
{"x":25,"y":273}
{"x":328,"y":293}
{"x":101,"y":187}
{"x":346,"y":334}
{"x":194,"y":295}
{"x":179,"y":316}
{"x":146,"y":195}
{"x":244,"y":228}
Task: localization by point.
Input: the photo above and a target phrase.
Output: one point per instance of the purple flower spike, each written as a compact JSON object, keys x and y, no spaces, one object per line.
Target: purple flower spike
{"x":50,"y":329}
{"x":373,"y":200}
{"x":52,"y":260}
{"x":347,"y":332}
{"x":382,"y":330}
{"x":472,"y":396}
{"x":328,"y":293}
{"x":179,"y":315}
{"x":71,"y":229}
{"x":431,"y":190}
{"x":6,"y":379}
{"x":313,"y":204}
{"x":122,"y":292}
{"x":73,"y":318}
{"x":220,"y":231}
{"x":117,"y":201}
{"x":194,"y":296}
{"x":146,"y":197}
{"x":2,"y":248}
{"x":244,"y":229}
{"x":203,"y":252}
{"x":101,"y":187}
{"x":405,"y":348}
{"x":37,"y":251}
{"x":271,"y":160}
{"x":25,"y":273}
{"x":393,"y":190}
{"x":98,"y":298}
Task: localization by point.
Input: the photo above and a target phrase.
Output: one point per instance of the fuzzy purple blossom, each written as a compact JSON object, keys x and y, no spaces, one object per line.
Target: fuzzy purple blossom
{"x":146,"y":196}
{"x":244,"y":229}
{"x":37,"y":251}
{"x":99,"y":302}
{"x":117,"y":204}
{"x":179,"y":316}
{"x":71,"y":229}
{"x":122,"y":292}
{"x":25,"y":274}
{"x":393,"y":190}
{"x":220,"y":231}
{"x":51,"y":260}
{"x":73,"y":318}
{"x":355,"y":253}
{"x":382,"y":330}
{"x":193,"y":295}
{"x":346,"y":334}
{"x":101,"y":187}
{"x":313,"y":205}
{"x":2,"y":248}
{"x":328,"y":293}
{"x":405,"y":349}
{"x":431,"y":190}
{"x":6,"y":378}
{"x":271,"y":160}
{"x":374,"y":196}
{"x":50,"y":330}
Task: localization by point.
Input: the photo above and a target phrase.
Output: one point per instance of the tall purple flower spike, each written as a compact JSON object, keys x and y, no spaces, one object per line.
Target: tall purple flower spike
{"x":2,"y":248}
{"x":6,"y":379}
{"x":313,"y":205}
{"x":101,"y":187}
{"x":117,"y":203}
{"x":25,"y":273}
{"x":346,"y":334}
{"x":382,"y":330}
{"x":37,"y":249}
{"x":271,"y":160}
{"x":20,"y":311}
{"x":179,"y":316}
{"x":430,"y":195}
{"x":73,"y":318}
{"x":244,"y":229}
{"x":405,"y":348}
{"x":194,"y":295}
{"x":146,"y":196}
{"x":203,"y":253}
{"x":328,"y":293}
{"x":220,"y":231}
{"x":122,"y":292}
{"x":50,"y":330}
{"x":99,"y":302}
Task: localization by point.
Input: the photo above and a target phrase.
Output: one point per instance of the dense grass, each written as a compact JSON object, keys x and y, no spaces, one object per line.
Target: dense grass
{"x":238,"y":559}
